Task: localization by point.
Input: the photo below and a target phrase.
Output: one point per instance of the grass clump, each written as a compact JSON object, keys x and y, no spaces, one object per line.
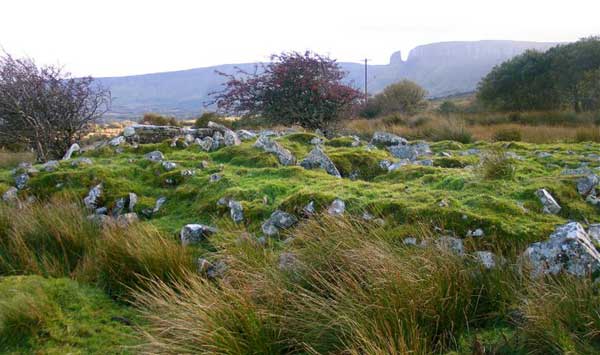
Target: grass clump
{"x":496,"y":164}
{"x":507,"y":135}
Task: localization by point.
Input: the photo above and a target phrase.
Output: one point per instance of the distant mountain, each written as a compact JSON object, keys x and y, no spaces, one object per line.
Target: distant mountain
{"x":443,"y":69}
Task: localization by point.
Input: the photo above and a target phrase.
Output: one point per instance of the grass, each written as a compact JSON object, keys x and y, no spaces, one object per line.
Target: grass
{"x":12,"y":159}
{"x":346,"y":286}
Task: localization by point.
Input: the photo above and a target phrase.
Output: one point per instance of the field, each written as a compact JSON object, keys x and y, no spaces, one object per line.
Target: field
{"x":349,"y":283}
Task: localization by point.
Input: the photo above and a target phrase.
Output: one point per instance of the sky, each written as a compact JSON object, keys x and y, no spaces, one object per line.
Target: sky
{"x":125,"y":37}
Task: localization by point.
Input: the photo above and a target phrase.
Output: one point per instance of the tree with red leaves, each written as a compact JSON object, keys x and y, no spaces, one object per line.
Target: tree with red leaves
{"x":293,"y":89}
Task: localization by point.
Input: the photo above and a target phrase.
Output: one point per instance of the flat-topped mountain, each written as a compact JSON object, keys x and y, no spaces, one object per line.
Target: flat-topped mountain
{"x":443,"y":69}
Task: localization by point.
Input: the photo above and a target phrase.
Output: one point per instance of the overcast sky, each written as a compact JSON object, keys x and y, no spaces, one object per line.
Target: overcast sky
{"x":106,"y":38}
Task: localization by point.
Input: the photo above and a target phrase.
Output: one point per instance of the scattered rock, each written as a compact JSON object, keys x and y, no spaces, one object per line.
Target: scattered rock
{"x":236,"y":210}
{"x":594,"y":234}
{"x":550,"y":205}
{"x":586,"y":185}
{"x":569,"y":250}
{"x":129,"y":132}
{"x":215,"y":177}
{"x":10,"y":195}
{"x":477,"y":233}
{"x":309,"y":209}
{"x":337,"y":207}
{"x":578,"y":171}
{"x":117,"y":141}
{"x":245,"y":135}
{"x":231,"y":138}
{"x":316,"y":141}
{"x":204,"y":165}
{"x":285,"y":156}
{"x":410,"y":241}
{"x":318,"y":159}
{"x":411,"y":152}
{"x":168,"y":166}
{"x":194,"y":233}
{"x":472,"y":151}
{"x":127,"y":219}
{"x":397,"y":165}
{"x":387,"y":139}
{"x":51,"y":165}
{"x":74,"y":148}
{"x":21,"y":181}
{"x":92,"y":199}
{"x":486,"y":258}
{"x":210,"y":270}
{"x":278,"y":220}
{"x":155,"y":156}
{"x":187,"y":172}
{"x":81,"y":161}
{"x":217,"y":141}
{"x":453,"y":244}
{"x":543,"y":155}
{"x":206,"y":144}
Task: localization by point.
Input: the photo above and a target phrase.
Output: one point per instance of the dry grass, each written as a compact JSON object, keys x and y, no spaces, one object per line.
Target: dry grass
{"x":10,"y":159}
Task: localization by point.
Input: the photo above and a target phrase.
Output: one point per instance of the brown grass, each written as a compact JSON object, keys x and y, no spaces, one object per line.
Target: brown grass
{"x":10,"y":159}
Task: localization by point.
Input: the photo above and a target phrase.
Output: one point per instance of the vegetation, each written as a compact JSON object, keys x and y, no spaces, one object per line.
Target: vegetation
{"x":565,"y":76}
{"x":159,"y":120}
{"x":293,"y":89}
{"x":404,"y":97}
{"x":45,"y":109}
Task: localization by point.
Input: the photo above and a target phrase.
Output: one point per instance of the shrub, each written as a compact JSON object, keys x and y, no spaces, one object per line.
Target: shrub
{"x":507,"y":135}
{"x":159,"y":120}
{"x":448,"y":107}
{"x":371,"y":110}
{"x":202,"y":121}
{"x":495,"y":164}
{"x":403,"y":97}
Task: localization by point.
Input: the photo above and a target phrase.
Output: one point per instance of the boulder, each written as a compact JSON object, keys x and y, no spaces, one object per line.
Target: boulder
{"x":245,"y":135}
{"x":128,"y":132}
{"x":117,"y":141}
{"x":285,"y":156}
{"x":168,"y":166}
{"x":194,"y":233}
{"x":577,"y":171}
{"x":387,"y":139}
{"x":51,"y":165}
{"x":10,"y":195}
{"x":411,"y":152}
{"x":21,"y":181}
{"x":74,"y":148}
{"x":318,"y":159}
{"x":337,"y":207}
{"x":586,"y":185}
{"x":278,"y":220}
{"x":485,"y":258}
{"x":91,"y":201}
{"x":453,"y":244}
{"x":81,"y":161}
{"x":206,"y":144}
{"x":550,"y":205}
{"x":397,"y":165}
{"x":568,"y":250}
{"x":231,"y":138}
{"x":155,"y":156}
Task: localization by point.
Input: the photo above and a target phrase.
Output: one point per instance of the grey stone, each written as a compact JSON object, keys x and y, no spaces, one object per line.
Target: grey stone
{"x":21,"y":181}
{"x":397,"y":165}
{"x":210,"y":270}
{"x":337,"y":207}
{"x":453,"y":244}
{"x":586,"y":185}
{"x":206,"y":144}
{"x":218,"y":141}
{"x":236,"y":210}
{"x":204,"y":164}
{"x":594,"y":234}
{"x":10,"y":195}
{"x":129,"y":132}
{"x":543,"y":155}
{"x":117,"y":141}
{"x":550,"y":205}
{"x":132,"y":200}
{"x":410,"y":241}
{"x":92,"y":199}
{"x":72,"y":149}
{"x":387,"y":139}
{"x":411,"y":152}
{"x":477,"y":233}
{"x":472,"y":151}
{"x":569,"y":249}
{"x":215,"y":177}
{"x":155,"y":156}
{"x":578,"y":171}
{"x":426,"y":162}
{"x":126,"y":219}
{"x":385,"y":164}
{"x":285,"y":156}
{"x":245,"y":135}
{"x":187,"y":172}
{"x":318,"y":159}
{"x":168,"y":166}
{"x":231,"y":138}
{"x":278,"y":220}
{"x":309,"y":209}
{"x":486,"y":258}
{"x":194,"y":233}
{"x":51,"y":165}
{"x":81,"y":161}
{"x":316,"y":141}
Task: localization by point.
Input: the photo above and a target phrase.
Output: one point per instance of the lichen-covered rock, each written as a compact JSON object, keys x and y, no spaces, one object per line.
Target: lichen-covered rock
{"x":411,"y":152}
{"x":318,"y":159}
{"x":10,"y":195}
{"x":231,"y":138}
{"x":548,"y":202}
{"x":91,"y":201}
{"x":236,"y":211}
{"x":117,"y":141}
{"x":245,"y":135}
{"x":569,"y":250}
{"x":477,"y":233}
{"x":72,"y":149}
{"x":453,"y":244}
{"x":51,"y":165}
{"x":387,"y":139}
{"x":168,"y":166}
{"x":586,"y":185}
{"x":278,"y":220}
{"x":577,"y":171}
{"x":218,"y":141}
{"x":155,"y":156}
{"x":21,"y":181}
{"x":206,"y":144}
{"x":194,"y":233}
{"x":284,"y":156}
{"x":486,"y":258}
{"x":337,"y":207}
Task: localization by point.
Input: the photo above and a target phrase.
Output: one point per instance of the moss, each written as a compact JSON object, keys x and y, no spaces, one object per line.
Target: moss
{"x":340,"y":142}
{"x":60,"y":316}
{"x":364,"y":164}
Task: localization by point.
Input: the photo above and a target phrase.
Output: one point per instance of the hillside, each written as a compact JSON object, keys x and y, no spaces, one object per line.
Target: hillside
{"x":442,"y":68}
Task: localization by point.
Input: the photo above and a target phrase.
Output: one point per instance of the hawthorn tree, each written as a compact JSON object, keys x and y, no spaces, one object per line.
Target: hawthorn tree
{"x":293,"y":89}
{"x":44,"y":108}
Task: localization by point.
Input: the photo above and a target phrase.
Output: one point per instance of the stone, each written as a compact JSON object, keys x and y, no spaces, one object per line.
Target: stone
{"x":189,"y":138}
{"x":426,"y":162}
{"x":550,"y":205}
{"x":155,"y":156}
{"x":397,"y":165}
{"x":594,"y":234}
{"x":578,"y":171}
{"x":81,"y":162}
{"x":21,"y":181}
{"x":477,"y":233}
{"x":179,"y":142}
{"x":74,"y":148}
{"x":355,"y":141}
{"x":204,"y":164}
{"x":168,"y":166}
{"x":278,"y":220}
{"x":126,"y":219}
{"x":101,"y":210}
{"x":236,"y":210}
{"x":51,"y":165}
{"x":385,"y":164}
{"x":210,"y":270}
{"x":159,"y":203}
{"x":217,"y":141}
{"x":206,"y":144}
{"x":284,"y":156}
{"x":410,"y":152}
{"x":453,"y":244}
{"x":91,"y":201}
{"x":195,"y":233}
{"x":316,"y":141}
{"x":569,"y":250}
{"x":472,"y":151}
{"x":586,"y":185}
{"x":129,"y":132}
{"x":187,"y":172}
{"x":215,"y":177}
{"x":117,"y":141}
{"x":387,"y":139}
{"x":543,"y":155}
{"x":245,"y":135}
{"x":318,"y":159}
{"x":231,"y":138}
{"x":337,"y":207}
{"x":309,"y":209}
{"x":132,"y":200}
{"x":410,"y":241}
{"x":485,"y":258}
{"x":10,"y":195}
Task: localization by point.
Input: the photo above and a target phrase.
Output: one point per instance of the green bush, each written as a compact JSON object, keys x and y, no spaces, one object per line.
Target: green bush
{"x":159,"y":120}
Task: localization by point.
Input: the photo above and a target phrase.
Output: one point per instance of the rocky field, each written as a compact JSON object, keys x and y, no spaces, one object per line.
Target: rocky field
{"x":261,"y":242}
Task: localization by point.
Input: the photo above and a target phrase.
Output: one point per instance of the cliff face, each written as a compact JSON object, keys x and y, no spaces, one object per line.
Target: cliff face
{"x":441,"y":68}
